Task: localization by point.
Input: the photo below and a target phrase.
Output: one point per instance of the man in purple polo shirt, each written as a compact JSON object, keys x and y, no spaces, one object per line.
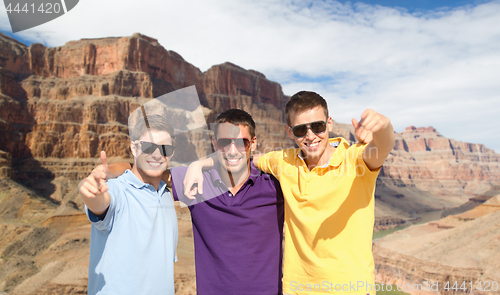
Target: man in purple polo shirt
{"x":237,"y":216}
{"x":238,"y":219}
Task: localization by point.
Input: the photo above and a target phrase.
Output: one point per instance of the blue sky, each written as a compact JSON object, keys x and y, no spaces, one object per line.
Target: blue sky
{"x":422,"y":63}
{"x":420,"y":5}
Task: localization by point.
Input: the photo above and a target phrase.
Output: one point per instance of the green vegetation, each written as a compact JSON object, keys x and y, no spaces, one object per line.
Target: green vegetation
{"x":3,"y":195}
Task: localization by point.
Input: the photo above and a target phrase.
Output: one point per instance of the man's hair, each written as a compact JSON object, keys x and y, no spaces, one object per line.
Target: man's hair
{"x":151,"y":122}
{"x":236,"y":117}
{"x":302,"y":101}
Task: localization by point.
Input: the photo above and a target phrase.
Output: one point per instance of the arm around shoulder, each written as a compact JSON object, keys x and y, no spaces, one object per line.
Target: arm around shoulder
{"x":193,"y":180}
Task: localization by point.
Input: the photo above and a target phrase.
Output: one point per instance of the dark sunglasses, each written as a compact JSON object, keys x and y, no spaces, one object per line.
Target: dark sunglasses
{"x":241,"y":144}
{"x":149,"y":148}
{"x":317,"y":127}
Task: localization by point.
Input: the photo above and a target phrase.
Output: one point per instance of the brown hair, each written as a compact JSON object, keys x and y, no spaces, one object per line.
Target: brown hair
{"x":304,"y":100}
{"x":236,"y":117}
{"x":152,"y":122}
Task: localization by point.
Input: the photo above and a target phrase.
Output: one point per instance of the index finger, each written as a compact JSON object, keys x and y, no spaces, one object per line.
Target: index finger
{"x":192,"y":193}
{"x":104,"y":162}
{"x":189,"y":186}
{"x":355,"y":123}
{"x":364,"y":115}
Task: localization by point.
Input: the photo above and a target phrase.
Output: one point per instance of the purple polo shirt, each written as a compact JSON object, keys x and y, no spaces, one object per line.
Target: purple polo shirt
{"x":237,"y":239}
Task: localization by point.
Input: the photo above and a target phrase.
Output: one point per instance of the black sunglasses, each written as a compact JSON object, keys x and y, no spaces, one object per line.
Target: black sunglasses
{"x":149,"y":148}
{"x":241,"y":144}
{"x":317,"y":127}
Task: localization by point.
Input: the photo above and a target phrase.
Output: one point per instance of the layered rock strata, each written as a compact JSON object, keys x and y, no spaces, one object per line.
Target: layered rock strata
{"x":73,"y":101}
{"x":60,"y":106}
{"x":461,"y":249}
{"x":427,"y":171}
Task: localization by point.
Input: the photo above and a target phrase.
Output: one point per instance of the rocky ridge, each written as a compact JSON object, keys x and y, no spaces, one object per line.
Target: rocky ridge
{"x":60,"y":106}
{"x":427,"y":171}
{"x":460,"y":248}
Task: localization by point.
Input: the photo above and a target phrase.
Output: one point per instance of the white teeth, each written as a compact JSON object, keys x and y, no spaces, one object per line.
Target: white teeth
{"x":154,"y":164}
{"x":233,"y":161}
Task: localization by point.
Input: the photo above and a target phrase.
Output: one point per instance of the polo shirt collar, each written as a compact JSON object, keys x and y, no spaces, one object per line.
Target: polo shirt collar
{"x":341,"y":147}
{"x":132,"y":179}
{"x":337,"y":156}
{"x":254,"y":172}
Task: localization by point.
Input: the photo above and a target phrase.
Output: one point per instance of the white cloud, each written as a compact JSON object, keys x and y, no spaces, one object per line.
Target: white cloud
{"x":438,"y":68}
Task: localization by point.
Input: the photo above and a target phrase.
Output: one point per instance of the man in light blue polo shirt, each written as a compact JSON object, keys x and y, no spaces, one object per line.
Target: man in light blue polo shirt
{"x":134,"y":224}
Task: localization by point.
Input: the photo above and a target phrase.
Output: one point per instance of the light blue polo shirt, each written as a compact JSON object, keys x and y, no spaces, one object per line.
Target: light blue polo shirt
{"x":132,"y":251}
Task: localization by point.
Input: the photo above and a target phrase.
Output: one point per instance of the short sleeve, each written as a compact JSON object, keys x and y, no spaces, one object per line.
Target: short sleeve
{"x":361,"y":167}
{"x":178,"y":174}
{"x":269,"y":163}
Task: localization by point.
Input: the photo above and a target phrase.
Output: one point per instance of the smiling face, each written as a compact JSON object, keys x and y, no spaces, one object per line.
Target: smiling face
{"x":151,"y":164}
{"x":232,"y":159}
{"x":314,"y":147}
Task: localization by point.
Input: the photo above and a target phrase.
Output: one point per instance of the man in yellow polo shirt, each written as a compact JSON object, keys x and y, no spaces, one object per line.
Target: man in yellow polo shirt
{"x":329,"y":198}
{"x":328,"y":188}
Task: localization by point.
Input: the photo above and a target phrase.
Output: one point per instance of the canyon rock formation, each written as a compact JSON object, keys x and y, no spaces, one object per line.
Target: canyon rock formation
{"x":461,"y":250}
{"x":427,"y":171}
{"x":60,"y":106}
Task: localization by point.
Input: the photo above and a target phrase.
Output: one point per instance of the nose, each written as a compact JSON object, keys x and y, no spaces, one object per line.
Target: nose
{"x":157,"y":154}
{"x":310,"y":134}
{"x":232,"y":150}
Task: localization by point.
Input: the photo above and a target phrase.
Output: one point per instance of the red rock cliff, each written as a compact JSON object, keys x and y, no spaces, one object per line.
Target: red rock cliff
{"x":72,"y":101}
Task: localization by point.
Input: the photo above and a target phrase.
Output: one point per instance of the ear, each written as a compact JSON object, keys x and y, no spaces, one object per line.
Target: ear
{"x":289,"y":132}
{"x":133,"y":148}
{"x":329,"y":124}
{"x":214,"y":143}
{"x":253,"y":145}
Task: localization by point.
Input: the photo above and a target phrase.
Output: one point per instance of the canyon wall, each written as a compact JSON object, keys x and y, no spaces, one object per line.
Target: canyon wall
{"x":59,"y":107}
{"x":427,"y":171}
{"x":457,"y":254}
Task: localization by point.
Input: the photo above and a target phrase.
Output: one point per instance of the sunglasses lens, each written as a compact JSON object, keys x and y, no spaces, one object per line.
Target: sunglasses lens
{"x":241,"y":144}
{"x":318,"y":127}
{"x":223,"y":143}
{"x":149,"y":148}
{"x":167,"y":150}
{"x":299,"y":130}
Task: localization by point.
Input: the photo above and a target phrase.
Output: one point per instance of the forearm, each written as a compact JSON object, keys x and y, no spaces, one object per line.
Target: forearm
{"x":255,"y":159}
{"x":383,"y":140}
{"x":97,"y":205}
{"x":206,"y":163}
{"x":379,"y":147}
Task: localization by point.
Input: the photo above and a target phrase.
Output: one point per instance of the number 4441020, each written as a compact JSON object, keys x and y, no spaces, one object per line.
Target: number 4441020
{"x":31,"y":8}
{"x":481,"y":286}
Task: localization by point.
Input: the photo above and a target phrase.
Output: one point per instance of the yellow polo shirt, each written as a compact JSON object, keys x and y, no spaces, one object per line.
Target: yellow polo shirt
{"x":329,"y":215}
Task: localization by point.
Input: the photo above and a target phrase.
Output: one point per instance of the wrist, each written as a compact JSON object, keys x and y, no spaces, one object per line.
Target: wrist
{"x":206,"y":163}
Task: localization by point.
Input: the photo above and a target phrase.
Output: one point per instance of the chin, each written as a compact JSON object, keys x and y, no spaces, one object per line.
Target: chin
{"x":313,"y":154}
{"x":234,"y":169}
{"x":154,"y":173}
